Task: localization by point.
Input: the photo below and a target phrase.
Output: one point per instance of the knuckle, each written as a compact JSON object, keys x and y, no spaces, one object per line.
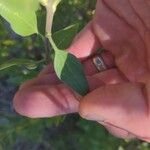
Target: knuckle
{"x":83,"y":109}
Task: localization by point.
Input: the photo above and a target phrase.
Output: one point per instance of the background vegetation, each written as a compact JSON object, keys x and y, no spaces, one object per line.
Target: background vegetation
{"x":69,"y":133}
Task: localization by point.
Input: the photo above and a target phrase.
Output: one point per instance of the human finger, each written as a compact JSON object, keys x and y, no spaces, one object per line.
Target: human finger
{"x":40,"y":99}
{"x":123,"y":42}
{"x":46,"y":101}
{"x":143,"y":10}
{"x":48,"y":79}
{"x":108,"y":77}
{"x":120,"y":133}
{"x":85,"y":43}
{"x":107,"y":58}
{"x":121,"y":105}
{"x":125,"y":10}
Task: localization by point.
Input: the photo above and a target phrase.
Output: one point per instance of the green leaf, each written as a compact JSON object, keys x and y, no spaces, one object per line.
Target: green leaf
{"x":64,"y":37}
{"x":69,"y":69}
{"x":41,"y":20}
{"x":21,"y":15}
{"x":18,"y":62}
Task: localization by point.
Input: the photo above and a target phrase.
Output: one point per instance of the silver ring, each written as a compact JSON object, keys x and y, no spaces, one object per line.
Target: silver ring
{"x":99,"y":63}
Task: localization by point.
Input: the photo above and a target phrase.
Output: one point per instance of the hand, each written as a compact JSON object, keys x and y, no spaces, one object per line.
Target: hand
{"x":119,"y":98}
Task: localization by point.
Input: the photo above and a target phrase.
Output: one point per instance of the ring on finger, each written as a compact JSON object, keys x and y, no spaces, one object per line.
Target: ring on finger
{"x":99,"y":63}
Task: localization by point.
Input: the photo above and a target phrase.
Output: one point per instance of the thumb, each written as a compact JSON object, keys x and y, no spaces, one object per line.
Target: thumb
{"x":121,"y":107}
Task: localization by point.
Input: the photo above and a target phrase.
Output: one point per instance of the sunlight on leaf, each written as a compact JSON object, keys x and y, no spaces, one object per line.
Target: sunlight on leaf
{"x":21,"y":15}
{"x":43,"y":2}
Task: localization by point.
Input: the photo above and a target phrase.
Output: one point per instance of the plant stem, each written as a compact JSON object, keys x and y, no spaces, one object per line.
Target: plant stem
{"x":47,"y":50}
{"x":49,"y":36}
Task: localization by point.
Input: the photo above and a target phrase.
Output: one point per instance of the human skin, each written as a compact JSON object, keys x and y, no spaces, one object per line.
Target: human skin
{"x":119,"y":98}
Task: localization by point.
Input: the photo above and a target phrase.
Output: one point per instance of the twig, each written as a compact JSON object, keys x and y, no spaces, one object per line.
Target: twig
{"x":47,"y":49}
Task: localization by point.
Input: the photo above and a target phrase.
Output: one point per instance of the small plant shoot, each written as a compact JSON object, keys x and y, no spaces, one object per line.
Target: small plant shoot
{"x":28,"y":17}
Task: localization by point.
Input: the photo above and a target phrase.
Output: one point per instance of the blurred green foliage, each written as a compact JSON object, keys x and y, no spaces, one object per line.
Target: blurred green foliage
{"x":69,"y":133}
